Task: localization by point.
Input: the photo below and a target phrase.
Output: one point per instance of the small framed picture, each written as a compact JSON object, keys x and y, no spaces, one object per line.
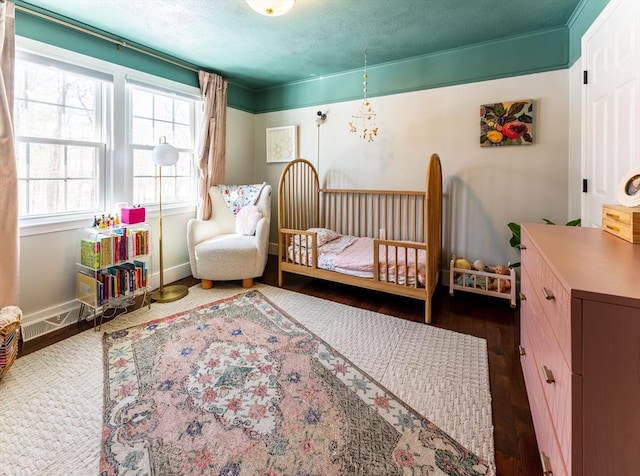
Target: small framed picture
{"x":628,"y":191}
{"x":282,"y":143}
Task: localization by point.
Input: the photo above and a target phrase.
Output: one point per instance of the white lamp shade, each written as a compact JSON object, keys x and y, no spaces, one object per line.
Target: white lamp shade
{"x":271,"y":8}
{"x":165,"y":155}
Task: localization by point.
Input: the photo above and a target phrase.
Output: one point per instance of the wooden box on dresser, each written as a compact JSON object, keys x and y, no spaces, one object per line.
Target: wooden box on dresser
{"x":580,"y":348}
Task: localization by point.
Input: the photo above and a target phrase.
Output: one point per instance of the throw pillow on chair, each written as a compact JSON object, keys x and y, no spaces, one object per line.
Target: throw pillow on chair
{"x":247,"y":220}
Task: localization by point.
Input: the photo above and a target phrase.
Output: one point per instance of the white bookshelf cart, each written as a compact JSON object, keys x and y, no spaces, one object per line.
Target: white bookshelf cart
{"x":113,"y":268}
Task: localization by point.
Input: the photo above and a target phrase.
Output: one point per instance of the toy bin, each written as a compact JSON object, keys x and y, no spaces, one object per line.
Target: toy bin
{"x":10,"y":320}
{"x":485,"y":281}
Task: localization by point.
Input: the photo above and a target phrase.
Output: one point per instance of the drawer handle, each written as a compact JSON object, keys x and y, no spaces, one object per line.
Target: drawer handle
{"x":521,"y":350}
{"x":548,"y":294}
{"x":548,"y":374}
{"x":522,"y":296}
{"x":613,"y":215}
{"x":523,"y":247}
{"x":614,"y":228}
{"x":546,"y":464}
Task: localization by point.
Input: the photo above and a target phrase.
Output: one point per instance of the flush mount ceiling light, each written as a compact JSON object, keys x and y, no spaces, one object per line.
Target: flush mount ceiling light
{"x":271,"y":8}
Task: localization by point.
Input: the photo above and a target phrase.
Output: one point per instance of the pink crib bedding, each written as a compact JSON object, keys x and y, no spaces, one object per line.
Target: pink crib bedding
{"x":354,"y":256}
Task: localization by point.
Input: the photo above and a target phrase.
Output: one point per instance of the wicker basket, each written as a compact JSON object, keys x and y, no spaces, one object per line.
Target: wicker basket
{"x":10,"y":320}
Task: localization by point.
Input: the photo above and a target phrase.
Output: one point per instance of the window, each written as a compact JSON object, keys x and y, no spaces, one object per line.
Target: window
{"x":60,"y":133}
{"x":85,"y":130}
{"x":156,"y":113}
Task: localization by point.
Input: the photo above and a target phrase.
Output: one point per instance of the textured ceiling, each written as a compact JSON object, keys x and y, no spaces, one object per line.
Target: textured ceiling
{"x":316,"y":38}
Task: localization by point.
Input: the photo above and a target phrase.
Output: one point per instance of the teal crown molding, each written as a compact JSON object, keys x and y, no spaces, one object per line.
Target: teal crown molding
{"x":533,"y":53}
{"x":40,"y":29}
{"x":581,"y":19}
{"x":537,"y":52}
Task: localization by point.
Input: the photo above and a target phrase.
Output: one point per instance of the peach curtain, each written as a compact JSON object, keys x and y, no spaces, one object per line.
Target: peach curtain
{"x":9,"y":258}
{"x":212,"y":146}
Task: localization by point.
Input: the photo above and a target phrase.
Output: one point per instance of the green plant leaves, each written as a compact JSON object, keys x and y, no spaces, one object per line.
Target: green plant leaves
{"x":516,"y":229}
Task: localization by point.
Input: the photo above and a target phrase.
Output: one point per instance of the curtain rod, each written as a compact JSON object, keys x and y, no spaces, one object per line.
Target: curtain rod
{"x":102,"y":37}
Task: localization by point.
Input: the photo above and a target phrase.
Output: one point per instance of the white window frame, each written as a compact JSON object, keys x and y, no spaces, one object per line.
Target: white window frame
{"x":118,"y":166}
{"x":103,"y":112}
{"x":194,"y":118}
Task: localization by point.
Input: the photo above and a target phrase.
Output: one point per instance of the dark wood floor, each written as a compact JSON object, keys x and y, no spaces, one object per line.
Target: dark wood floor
{"x":516,"y":450}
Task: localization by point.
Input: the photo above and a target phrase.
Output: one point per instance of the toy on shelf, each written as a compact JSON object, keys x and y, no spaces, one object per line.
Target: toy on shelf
{"x":498,"y":281}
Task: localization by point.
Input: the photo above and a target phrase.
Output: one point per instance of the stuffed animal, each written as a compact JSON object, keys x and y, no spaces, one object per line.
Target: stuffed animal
{"x":498,"y":284}
{"x":500,"y":269}
{"x":462,"y":263}
{"x":478,"y":264}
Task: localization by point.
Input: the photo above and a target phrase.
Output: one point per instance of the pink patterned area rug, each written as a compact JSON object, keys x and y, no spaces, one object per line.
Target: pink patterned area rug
{"x":237,"y":387}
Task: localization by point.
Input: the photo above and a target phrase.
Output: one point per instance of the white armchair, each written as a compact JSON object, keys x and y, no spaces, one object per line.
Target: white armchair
{"x":218,"y":253}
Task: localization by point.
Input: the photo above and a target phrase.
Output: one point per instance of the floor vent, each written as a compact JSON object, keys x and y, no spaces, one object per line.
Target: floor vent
{"x":33,"y":330}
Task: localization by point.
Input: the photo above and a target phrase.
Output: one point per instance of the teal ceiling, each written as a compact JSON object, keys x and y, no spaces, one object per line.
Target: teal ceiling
{"x":317,"y":38}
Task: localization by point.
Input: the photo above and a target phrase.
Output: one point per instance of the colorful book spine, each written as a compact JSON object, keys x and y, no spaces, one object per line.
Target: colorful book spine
{"x":142,"y":267}
{"x":90,"y":253}
{"x":106,"y":251}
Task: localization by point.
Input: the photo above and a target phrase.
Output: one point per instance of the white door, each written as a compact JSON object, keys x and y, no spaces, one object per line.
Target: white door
{"x":611,"y":104}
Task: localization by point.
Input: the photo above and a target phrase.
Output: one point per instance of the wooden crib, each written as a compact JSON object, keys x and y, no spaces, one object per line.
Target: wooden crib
{"x":403,"y":230}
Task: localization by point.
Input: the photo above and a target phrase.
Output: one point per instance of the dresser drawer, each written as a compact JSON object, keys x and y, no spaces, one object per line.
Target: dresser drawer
{"x":545,"y":434}
{"x":553,"y":298}
{"x":550,"y":365}
{"x":531,"y":261}
{"x":556,"y":383}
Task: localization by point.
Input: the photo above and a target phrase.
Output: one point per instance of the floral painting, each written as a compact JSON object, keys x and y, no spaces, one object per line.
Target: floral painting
{"x":506,"y":123}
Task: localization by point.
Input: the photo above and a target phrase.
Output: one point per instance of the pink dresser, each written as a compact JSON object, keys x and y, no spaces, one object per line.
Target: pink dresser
{"x":580,"y":348}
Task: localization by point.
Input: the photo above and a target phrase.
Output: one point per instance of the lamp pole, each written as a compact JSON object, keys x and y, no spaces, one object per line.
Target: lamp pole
{"x":165,"y":155}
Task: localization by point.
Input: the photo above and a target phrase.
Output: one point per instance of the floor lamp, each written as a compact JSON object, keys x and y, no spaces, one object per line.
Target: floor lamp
{"x":165,"y":155}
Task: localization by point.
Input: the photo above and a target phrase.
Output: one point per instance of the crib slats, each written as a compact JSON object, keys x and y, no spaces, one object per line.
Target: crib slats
{"x":389,"y":216}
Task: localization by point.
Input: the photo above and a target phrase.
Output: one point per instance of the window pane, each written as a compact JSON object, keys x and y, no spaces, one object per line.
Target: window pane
{"x":182,"y":112}
{"x":22,"y":197}
{"x":164,"y":129}
{"x":46,"y":161}
{"x":81,"y":195}
{"x":21,"y":159}
{"x":143,"y":164}
{"x":144,"y":190}
{"x":80,"y":93}
{"x":163,"y":108}
{"x":142,"y":131}
{"x":182,"y":137}
{"x":142,"y":103}
{"x":168,"y":187}
{"x":46,"y":196}
{"x":184,"y":165}
{"x":82,"y":162}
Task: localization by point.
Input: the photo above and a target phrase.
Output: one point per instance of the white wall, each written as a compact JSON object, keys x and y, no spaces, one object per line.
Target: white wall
{"x":485,"y":188}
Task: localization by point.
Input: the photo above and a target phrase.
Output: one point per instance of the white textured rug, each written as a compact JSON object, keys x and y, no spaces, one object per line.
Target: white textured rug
{"x":51,"y":400}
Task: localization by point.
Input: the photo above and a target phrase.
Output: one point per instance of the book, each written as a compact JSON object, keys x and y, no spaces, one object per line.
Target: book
{"x":106,"y":250}
{"x":86,"y":289}
{"x":90,"y":253}
{"x":141,"y":266}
